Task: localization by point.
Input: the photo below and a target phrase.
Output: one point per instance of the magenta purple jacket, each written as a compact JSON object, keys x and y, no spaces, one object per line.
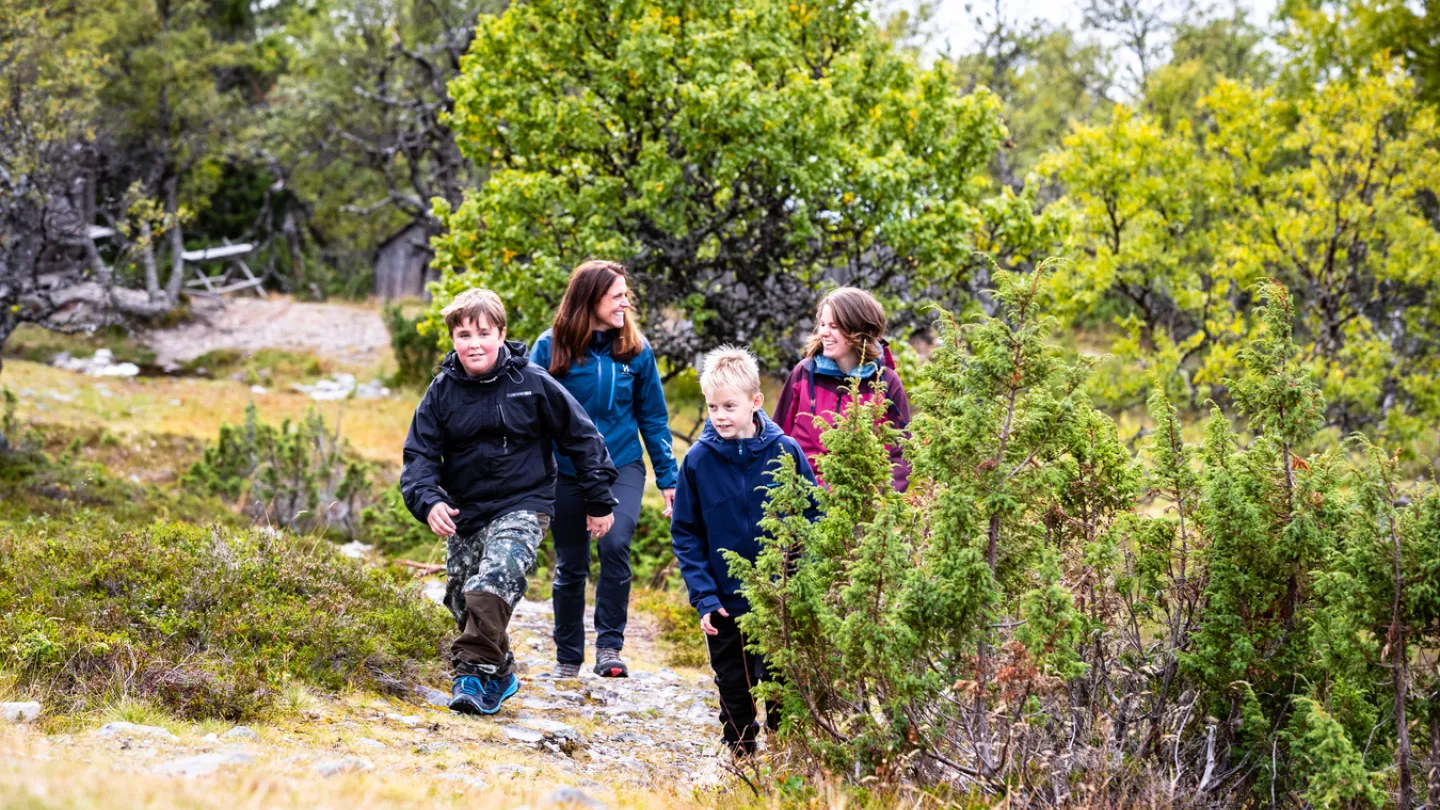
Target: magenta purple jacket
{"x":812,"y":397}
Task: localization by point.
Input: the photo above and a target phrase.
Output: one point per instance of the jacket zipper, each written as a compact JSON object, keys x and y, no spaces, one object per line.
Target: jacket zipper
{"x":505,"y":429}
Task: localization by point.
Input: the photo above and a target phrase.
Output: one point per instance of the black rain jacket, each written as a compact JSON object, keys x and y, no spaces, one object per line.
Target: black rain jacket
{"x":484,"y":444}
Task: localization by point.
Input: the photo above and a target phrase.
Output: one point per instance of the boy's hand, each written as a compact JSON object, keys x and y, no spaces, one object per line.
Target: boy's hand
{"x":440,"y":519}
{"x":599,"y":526}
{"x":707,"y":626}
{"x":669,"y":502}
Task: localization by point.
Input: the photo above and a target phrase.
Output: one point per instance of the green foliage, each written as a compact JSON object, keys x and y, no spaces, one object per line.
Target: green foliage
{"x":1328,"y":764}
{"x":728,"y":151}
{"x":388,"y":526}
{"x":209,"y":623}
{"x":297,"y":475}
{"x":1178,"y":226}
{"x":416,"y":354}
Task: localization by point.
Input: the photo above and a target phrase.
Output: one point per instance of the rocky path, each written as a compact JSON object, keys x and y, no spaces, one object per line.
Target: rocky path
{"x":646,"y":741}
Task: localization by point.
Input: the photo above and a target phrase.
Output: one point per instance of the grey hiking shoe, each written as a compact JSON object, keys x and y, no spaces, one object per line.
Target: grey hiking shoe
{"x":565,"y":671}
{"x":609,"y":665}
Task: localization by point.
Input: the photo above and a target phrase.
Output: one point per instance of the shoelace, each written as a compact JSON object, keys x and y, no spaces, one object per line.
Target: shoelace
{"x":470,"y":685}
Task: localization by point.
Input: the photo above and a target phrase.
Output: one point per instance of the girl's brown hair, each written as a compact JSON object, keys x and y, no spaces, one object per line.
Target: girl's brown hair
{"x":860,"y":318}
{"x":570,"y":333}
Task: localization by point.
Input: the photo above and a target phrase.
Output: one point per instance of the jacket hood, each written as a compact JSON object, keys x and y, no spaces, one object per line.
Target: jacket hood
{"x":514,"y":356}
{"x":736,"y":450}
{"x":826,"y":367}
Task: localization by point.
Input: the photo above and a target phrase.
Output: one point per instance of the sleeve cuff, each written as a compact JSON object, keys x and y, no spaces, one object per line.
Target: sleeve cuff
{"x":597,"y":509}
{"x":709,"y":604}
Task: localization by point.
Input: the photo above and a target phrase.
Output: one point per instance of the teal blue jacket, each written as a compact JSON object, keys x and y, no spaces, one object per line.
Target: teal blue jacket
{"x":625,"y":401}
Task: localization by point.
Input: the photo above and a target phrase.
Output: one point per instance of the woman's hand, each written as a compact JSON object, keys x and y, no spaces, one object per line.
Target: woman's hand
{"x":598,"y":526}
{"x":669,"y":501}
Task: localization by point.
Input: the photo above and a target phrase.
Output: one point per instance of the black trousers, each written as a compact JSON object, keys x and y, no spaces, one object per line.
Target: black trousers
{"x":572,"y":565}
{"x":737,"y":671}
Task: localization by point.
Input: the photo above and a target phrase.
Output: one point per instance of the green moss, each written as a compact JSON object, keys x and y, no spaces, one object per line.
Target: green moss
{"x":259,"y":366}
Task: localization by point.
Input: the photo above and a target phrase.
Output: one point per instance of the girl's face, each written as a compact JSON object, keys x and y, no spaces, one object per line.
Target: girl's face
{"x":832,"y":342}
{"x":610,"y":312}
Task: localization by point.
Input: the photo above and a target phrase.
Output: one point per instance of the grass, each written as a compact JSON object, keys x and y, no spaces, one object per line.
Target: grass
{"x":266,"y":366}
{"x":680,"y":634}
{"x":39,"y":345}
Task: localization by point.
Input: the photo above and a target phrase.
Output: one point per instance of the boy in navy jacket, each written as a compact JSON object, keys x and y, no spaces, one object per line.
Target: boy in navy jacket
{"x":719,"y":502}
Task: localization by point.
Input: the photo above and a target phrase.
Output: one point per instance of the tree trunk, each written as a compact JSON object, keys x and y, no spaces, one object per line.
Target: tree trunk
{"x":292,"y":241}
{"x":147,"y":259}
{"x":7,"y":325}
{"x":177,"y":242}
{"x":1434,"y":754}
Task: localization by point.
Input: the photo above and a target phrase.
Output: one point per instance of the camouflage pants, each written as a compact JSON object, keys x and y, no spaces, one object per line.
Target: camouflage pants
{"x":485,"y":578}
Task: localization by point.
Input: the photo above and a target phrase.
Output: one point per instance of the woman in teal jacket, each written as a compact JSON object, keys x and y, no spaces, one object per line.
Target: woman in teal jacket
{"x":596,"y":351}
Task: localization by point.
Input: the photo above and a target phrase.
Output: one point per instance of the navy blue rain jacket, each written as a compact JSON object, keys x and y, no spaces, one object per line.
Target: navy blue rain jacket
{"x":721,"y":498}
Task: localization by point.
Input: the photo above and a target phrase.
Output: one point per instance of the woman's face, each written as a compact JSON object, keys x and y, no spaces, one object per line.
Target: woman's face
{"x":610,"y":312}
{"x":832,"y":341}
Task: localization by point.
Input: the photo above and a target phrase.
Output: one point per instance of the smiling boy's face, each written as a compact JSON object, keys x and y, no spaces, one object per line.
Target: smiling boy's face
{"x":477,"y":344}
{"x":732,"y":413}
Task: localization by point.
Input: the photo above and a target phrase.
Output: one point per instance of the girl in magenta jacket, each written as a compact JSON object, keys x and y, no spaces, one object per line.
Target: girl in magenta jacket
{"x":847,"y":351}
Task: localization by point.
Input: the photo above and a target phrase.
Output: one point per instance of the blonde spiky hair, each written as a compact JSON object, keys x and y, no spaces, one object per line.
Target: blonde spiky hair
{"x":730,"y":368}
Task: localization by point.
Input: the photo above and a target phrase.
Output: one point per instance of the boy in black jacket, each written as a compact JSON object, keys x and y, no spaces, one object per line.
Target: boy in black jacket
{"x":479,"y":471}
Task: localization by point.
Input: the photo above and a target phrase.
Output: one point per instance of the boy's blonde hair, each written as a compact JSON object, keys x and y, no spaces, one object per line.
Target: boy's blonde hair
{"x":473,"y":305}
{"x":730,"y":368}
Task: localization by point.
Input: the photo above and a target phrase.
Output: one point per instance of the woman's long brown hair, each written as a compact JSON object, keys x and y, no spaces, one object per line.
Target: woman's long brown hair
{"x":860,"y":318}
{"x":571,"y":332}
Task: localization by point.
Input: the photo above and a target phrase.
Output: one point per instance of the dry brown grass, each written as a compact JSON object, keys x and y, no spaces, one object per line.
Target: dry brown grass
{"x":195,"y":408}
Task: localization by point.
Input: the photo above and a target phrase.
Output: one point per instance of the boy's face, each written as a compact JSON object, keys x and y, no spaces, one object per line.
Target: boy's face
{"x":732,"y":413}
{"x":477,"y":345}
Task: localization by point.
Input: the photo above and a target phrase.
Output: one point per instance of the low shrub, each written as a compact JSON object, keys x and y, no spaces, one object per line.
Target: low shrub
{"x":416,"y":354}
{"x":297,"y":475}
{"x":209,"y":623}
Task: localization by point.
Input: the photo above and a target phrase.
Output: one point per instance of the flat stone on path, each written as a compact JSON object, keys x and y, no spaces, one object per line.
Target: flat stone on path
{"x":335,"y":767}
{"x":433,"y":696}
{"x":123,"y":729}
{"x":241,"y":733}
{"x":19,"y":712}
{"x":572,"y":797}
{"x":523,"y":735}
{"x":465,"y":782}
{"x":204,"y":764}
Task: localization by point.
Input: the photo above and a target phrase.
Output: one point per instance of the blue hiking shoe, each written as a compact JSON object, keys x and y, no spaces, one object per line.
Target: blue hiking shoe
{"x":465,"y":695}
{"x":496,"y":691}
